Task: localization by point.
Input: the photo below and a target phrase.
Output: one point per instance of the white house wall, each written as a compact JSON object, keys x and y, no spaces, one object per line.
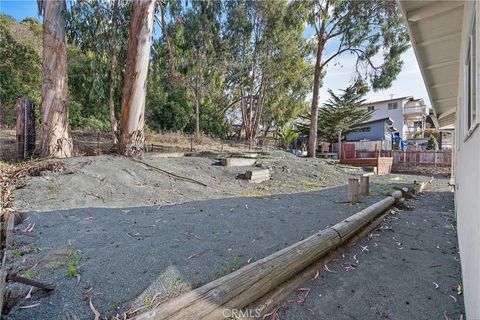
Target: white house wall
{"x":381,"y":111}
{"x":467,"y":175}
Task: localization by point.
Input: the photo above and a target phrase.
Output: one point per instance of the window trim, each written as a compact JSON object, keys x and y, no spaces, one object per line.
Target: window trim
{"x":473,"y":25}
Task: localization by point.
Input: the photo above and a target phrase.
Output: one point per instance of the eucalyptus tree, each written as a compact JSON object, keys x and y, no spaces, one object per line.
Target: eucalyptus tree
{"x":100,"y":29}
{"x":20,"y":65}
{"x":369,"y":30}
{"x":132,"y":120}
{"x":202,"y":47}
{"x":265,"y":54}
{"x":55,"y":140}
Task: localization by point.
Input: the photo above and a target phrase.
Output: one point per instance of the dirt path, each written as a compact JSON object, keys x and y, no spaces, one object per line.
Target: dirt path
{"x":398,"y":275}
{"x":125,"y":257}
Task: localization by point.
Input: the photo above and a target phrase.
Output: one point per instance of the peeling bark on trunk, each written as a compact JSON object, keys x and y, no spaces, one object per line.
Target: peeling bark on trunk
{"x":111,"y":104}
{"x":134,"y":89}
{"x":55,"y":140}
{"x":111,"y":86}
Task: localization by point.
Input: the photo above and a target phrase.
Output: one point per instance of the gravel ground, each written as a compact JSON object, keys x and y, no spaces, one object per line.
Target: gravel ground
{"x":396,"y":278}
{"x":122,"y":257}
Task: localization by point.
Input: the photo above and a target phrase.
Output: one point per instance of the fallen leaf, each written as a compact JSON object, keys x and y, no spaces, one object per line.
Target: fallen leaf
{"x":445,"y":315}
{"x":436,"y":285}
{"x":349,"y":266}
{"x":29,"y":294}
{"x":34,"y":306}
{"x":307,"y":291}
{"x":454,"y":299}
{"x":95,"y":312}
{"x":327,"y":269}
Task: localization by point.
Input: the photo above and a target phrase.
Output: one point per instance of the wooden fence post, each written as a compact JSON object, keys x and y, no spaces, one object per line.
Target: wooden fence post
{"x":25,"y":128}
{"x":353,"y":189}
{"x":364,"y":185}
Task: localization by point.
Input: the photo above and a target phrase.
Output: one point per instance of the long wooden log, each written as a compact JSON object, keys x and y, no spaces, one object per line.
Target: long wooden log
{"x":266,"y":303}
{"x":240,"y":288}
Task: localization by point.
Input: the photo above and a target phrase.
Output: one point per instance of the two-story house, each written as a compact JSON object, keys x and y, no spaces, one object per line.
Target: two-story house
{"x":408,"y":115}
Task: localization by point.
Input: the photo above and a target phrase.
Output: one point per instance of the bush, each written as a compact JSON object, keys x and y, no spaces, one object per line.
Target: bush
{"x":432,"y":143}
{"x":287,"y":135}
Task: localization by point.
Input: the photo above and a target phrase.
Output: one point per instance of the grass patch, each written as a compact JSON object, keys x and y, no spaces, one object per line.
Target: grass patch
{"x":30,"y":274}
{"x":73,"y":261}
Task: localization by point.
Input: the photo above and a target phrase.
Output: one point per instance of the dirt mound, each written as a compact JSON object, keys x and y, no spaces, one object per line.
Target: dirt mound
{"x":114,"y":181}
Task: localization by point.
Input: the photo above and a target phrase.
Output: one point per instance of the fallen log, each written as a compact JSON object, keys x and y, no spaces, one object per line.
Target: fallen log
{"x":240,"y":288}
{"x":273,"y":299}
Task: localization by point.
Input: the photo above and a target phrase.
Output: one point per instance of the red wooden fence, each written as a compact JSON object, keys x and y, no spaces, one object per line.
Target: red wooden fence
{"x":431,"y":158}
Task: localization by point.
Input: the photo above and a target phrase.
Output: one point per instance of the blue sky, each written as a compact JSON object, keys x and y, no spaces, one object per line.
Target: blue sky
{"x":408,"y":83}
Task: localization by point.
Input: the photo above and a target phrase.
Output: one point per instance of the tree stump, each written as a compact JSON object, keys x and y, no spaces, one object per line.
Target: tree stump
{"x":353,"y":188}
{"x":364,"y":185}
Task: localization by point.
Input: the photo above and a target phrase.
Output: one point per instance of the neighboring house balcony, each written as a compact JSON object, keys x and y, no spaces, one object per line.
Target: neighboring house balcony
{"x":415,"y":112}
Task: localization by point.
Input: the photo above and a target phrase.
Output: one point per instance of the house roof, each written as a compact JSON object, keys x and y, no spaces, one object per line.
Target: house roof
{"x":386,"y":119}
{"x":387,"y":100}
{"x":435,"y":29}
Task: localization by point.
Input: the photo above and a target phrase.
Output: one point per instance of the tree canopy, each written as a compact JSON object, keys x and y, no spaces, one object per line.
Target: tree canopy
{"x":341,"y":113}
{"x":211,"y":61}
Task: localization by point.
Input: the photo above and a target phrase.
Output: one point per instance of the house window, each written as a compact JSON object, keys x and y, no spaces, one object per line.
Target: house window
{"x":365,"y":129}
{"x":471,"y":77}
{"x":371,"y":108}
{"x":393,"y":105}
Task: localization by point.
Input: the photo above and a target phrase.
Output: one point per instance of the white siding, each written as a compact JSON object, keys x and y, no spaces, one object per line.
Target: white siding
{"x":467,"y":175}
{"x":381,"y":111}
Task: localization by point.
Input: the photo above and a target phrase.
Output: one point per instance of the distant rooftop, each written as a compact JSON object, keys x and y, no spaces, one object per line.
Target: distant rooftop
{"x":393,"y":99}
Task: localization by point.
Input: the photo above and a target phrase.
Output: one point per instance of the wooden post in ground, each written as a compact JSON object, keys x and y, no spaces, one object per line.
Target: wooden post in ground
{"x":353,"y":189}
{"x":364,"y":185}
{"x":25,"y":128}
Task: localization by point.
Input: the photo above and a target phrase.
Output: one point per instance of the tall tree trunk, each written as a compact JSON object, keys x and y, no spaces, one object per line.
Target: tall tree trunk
{"x":113,"y":75}
{"x":111,"y":104}
{"x":317,"y":78}
{"x":55,"y":140}
{"x":134,"y":88}
{"x":339,"y":145}
{"x":197,"y":109}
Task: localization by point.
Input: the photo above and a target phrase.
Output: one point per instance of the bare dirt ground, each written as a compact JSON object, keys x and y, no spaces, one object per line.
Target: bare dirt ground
{"x":407,"y":269}
{"x":125,"y":236}
{"x":111,"y":181}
